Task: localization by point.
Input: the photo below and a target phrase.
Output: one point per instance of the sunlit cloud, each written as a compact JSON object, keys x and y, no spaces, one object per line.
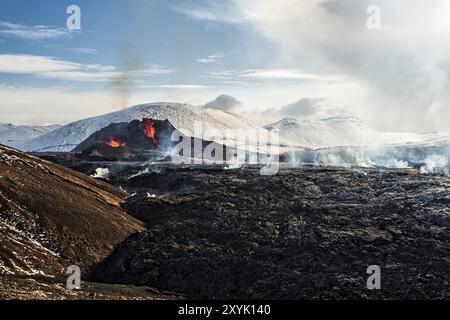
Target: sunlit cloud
{"x":275,"y":74}
{"x":84,"y":50}
{"x":50,"y":67}
{"x":211,"y":58}
{"x":403,"y":68}
{"x":174,"y":86}
{"x":287,"y":74}
{"x":38,"y":32}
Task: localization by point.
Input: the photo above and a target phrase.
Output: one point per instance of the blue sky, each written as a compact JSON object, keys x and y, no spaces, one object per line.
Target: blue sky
{"x":130,"y":52}
{"x":152,"y":32}
{"x":266,"y":53}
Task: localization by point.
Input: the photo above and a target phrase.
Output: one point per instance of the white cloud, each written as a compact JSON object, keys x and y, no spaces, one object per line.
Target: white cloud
{"x":174,"y":86}
{"x":224,"y":102}
{"x":51,"y":105}
{"x":27,"y":105}
{"x":38,"y":32}
{"x":275,"y":74}
{"x":211,"y":58}
{"x":84,"y":50}
{"x":50,"y":67}
{"x":212,"y":11}
{"x":403,"y":69}
{"x":21,"y":63}
{"x":287,"y":74}
{"x":308,"y":108}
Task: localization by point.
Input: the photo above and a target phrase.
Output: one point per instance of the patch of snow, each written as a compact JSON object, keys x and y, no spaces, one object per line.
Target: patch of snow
{"x":15,"y":217}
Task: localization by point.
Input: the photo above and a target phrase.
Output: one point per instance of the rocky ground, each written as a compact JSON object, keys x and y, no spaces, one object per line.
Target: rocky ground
{"x":47,"y":288}
{"x":52,"y":217}
{"x":306,"y":233}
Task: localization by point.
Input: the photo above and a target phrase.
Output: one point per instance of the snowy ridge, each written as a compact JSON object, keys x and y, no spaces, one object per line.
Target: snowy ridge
{"x":330,"y":132}
{"x":181,"y":116}
{"x":346,"y":141}
{"x":16,"y":135}
{"x":346,"y":131}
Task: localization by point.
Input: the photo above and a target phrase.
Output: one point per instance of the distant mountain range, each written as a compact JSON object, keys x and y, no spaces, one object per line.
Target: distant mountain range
{"x":332,"y":132}
{"x":344,"y":131}
{"x":17,"y":135}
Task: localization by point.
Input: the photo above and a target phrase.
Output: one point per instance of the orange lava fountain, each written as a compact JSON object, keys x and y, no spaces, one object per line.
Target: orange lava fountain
{"x":150,"y":130}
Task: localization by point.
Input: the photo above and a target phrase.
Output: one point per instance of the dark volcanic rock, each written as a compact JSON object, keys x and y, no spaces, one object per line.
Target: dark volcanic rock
{"x":132,"y":135}
{"x":304,"y":233}
{"x":134,"y":141}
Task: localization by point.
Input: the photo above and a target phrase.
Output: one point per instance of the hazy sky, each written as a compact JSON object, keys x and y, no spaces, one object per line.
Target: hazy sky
{"x":265,"y":53}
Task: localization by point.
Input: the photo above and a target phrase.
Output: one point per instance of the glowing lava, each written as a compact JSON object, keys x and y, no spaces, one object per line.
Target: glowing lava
{"x":149,"y":130}
{"x":114,"y":143}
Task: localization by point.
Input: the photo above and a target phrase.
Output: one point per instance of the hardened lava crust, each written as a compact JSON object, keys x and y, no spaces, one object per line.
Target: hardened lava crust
{"x":305,"y":233}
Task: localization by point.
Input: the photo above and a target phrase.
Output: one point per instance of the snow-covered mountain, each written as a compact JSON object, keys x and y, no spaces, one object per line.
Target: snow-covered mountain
{"x":417,"y":139}
{"x":17,"y":135}
{"x":313,"y":134}
{"x":330,"y":132}
{"x":181,"y":116}
{"x":344,"y":131}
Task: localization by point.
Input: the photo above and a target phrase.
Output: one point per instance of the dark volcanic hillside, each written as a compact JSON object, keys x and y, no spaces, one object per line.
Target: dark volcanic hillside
{"x":52,"y":217}
{"x":304,"y":233}
{"x":134,"y":135}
